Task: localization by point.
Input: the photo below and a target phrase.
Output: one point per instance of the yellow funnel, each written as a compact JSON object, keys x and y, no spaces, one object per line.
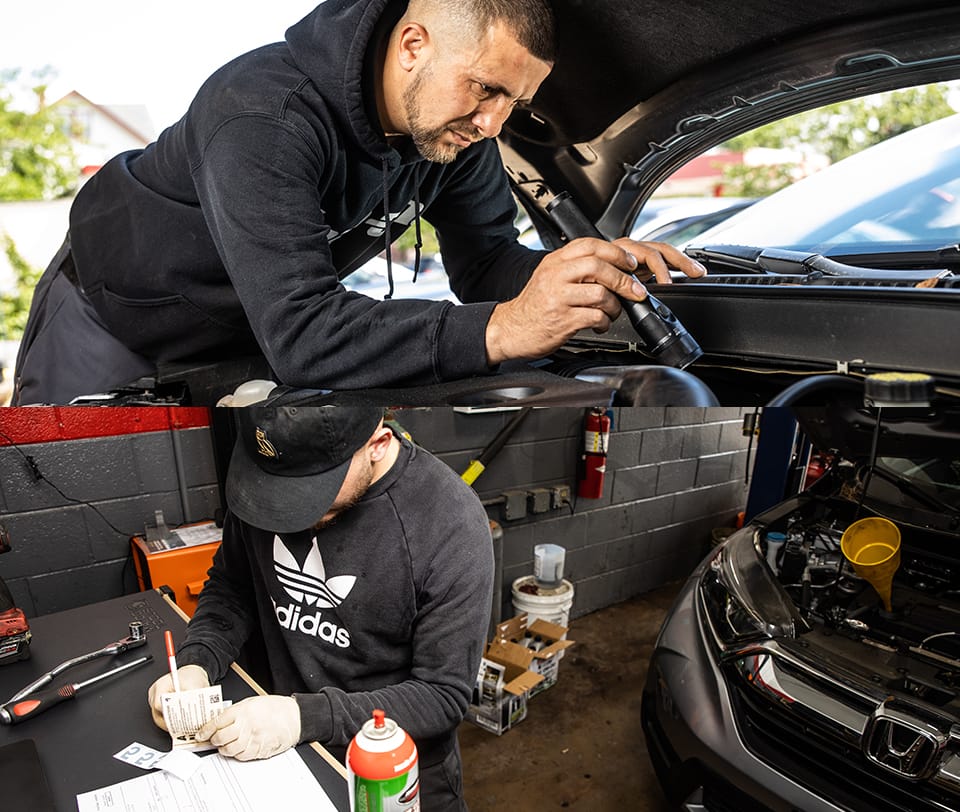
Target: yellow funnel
{"x":872,"y":545}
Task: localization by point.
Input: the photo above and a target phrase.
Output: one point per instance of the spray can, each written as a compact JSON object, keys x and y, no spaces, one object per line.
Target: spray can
{"x":382,"y":770}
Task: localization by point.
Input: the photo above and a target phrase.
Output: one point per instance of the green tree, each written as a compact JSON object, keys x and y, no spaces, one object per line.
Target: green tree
{"x":15,"y":304}
{"x":37,"y":162}
{"x":36,"y":158}
{"x":835,"y":131}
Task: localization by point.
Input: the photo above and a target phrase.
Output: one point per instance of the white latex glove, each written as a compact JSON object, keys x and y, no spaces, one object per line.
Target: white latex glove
{"x":190,"y":677}
{"x":258,"y":727}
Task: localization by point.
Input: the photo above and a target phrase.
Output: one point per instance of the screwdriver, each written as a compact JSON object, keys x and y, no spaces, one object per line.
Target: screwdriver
{"x":22,"y":709}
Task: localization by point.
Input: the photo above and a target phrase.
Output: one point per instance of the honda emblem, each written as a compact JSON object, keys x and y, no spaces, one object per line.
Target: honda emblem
{"x":901,"y":747}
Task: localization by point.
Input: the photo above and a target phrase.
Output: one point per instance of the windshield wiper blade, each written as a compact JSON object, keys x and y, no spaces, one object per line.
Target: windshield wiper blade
{"x":810,"y":267}
{"x":929,"y":257}
{"x":914,"y":491}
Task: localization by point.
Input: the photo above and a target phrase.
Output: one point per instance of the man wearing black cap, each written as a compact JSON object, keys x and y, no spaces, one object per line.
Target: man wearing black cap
{"x":365,"y":567}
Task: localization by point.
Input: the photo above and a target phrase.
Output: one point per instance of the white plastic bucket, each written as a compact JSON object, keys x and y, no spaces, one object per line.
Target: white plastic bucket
{"x":552,"y":605}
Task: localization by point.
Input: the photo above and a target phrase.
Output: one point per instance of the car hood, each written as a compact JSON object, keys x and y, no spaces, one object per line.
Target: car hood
{"x":642,"y":86}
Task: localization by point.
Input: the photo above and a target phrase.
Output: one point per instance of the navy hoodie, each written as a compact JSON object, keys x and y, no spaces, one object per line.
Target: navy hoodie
{"x":230,"y":232}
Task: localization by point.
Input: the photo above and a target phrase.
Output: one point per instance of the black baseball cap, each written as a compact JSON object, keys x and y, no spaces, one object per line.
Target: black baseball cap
{"x":289,"y":462}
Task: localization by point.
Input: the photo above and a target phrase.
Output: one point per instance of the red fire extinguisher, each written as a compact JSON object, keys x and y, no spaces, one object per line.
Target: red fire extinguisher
{"x":816,"y":468}
{"x":596,"y":442}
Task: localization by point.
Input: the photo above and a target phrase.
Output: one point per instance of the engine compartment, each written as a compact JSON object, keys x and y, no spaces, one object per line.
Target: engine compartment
{"x":844,"y":611}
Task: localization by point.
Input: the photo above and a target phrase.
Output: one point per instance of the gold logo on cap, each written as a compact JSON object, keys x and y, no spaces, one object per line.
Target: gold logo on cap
{"x":264,"y":446}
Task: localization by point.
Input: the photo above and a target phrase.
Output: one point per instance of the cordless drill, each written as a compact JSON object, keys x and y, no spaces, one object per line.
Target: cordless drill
{"x":662,"y":337}
{"x":14,"y":629}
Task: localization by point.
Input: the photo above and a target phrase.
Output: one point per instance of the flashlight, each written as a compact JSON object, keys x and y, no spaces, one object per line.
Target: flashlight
{"x":662,"y":336}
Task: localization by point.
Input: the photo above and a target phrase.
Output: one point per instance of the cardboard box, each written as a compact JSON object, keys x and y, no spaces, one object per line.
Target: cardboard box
{"x":547,"y":641}
{"x":504,"y":681}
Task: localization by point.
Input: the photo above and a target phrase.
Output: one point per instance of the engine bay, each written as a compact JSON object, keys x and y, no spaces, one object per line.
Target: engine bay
{"x":920,"y":630}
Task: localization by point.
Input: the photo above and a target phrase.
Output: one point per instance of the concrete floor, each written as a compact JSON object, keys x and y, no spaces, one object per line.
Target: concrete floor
{"x":581,"y":746}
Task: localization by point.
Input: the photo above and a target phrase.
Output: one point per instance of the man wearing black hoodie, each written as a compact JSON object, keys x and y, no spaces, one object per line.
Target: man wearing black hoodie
{"x":363,"y":566}
{"x":294,"y":165}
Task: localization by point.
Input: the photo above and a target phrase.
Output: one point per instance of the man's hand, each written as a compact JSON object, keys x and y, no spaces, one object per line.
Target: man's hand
{"x":574,"y":288}
{"x":258,"y":727}
{"x":189,"y":676}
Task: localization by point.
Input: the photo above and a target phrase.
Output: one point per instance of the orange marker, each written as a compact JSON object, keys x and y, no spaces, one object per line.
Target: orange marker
{"x":171,"y":658}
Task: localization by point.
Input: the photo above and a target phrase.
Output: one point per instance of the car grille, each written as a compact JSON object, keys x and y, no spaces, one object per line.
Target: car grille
{"x":823,"y":762}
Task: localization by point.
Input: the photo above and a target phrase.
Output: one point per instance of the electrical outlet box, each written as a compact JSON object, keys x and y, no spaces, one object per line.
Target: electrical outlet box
{"x":515,"y":506}
{"x":559,"y":496}
{"x":539,"y":500}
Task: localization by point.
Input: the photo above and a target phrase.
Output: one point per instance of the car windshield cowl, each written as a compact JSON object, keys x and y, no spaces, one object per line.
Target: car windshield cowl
{"x":937,"y":267}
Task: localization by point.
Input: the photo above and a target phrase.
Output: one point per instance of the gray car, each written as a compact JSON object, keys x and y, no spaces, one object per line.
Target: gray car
{"x":812,"y":661}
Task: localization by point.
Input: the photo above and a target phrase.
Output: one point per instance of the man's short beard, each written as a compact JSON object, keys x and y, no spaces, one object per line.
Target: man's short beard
{"x":428,"y":140}
{"x":338,"y":508}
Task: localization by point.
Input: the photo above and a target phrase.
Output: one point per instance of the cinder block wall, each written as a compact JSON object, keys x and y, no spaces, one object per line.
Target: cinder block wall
{"x":71,"y":505}
{"x":673,"y":475}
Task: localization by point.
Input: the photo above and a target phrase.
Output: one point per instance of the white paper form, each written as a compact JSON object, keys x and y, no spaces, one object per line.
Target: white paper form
{"x":220,"y":785}
{"x":185,"y":712}
{"x":198,"y":534}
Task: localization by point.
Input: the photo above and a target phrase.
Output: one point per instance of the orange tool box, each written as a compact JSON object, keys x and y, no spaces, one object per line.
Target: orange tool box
{"x":179,"y":561}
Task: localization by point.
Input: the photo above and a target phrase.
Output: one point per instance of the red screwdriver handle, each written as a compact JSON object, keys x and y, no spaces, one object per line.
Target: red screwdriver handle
{"x":15,"y":712}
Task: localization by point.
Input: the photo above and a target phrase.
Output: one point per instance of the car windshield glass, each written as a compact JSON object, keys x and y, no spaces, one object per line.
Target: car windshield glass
{"x":904,"y":190}
{"x":934,"y":481}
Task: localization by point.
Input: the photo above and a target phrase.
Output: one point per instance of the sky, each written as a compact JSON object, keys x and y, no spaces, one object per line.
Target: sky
{"x":126,"y":52}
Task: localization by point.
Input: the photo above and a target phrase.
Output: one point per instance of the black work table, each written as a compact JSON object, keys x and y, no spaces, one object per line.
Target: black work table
{"x":77,"y":739}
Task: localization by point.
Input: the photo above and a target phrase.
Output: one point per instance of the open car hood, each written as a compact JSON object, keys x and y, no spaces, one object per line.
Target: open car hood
{"x":642,"y":86}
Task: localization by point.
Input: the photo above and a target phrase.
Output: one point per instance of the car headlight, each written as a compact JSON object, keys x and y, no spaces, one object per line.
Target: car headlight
{"x":741,"y":599}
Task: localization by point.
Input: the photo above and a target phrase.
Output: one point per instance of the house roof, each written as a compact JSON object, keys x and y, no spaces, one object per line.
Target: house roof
{"x":133,"y":118}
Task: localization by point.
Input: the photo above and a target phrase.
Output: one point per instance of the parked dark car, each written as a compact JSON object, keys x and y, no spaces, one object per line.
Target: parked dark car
{"x":678,"y":225}
{"x":812,"y":661}
{"x":673,"y":220}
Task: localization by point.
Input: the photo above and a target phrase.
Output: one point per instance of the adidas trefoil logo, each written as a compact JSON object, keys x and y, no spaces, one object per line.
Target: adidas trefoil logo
{"x":310,"y":586}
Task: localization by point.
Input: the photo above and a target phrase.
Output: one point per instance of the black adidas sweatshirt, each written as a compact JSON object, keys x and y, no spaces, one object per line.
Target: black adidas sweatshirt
{"x":387,"y":607}
{"x":230,"y":231}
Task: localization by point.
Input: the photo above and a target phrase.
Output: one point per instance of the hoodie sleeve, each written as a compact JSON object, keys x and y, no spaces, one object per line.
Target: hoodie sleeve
{"x":454,"y":587}
{"x":268,"y":225}
{"x":223,"y":618}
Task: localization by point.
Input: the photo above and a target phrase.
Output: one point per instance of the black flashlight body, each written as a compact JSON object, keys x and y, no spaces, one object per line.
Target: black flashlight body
{"x":662,"y":336}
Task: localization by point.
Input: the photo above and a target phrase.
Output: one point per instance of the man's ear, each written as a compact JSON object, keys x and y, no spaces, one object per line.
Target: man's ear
{"x":413,"y":41}
{"x":380,"y":443}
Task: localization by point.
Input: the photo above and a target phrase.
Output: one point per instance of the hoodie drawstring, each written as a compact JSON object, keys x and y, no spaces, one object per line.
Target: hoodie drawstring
{"x":386,"y":231}
{"x":416,"y":216}
{"x":388,"y":224}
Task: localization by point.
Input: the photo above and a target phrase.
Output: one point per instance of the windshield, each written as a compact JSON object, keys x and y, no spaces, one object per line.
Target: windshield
{"x":902,"y":191}
{"x":935,"y":481}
